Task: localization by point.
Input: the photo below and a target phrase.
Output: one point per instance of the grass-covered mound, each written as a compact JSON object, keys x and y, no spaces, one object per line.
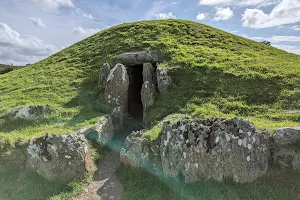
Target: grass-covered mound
{"x":214,"y":74}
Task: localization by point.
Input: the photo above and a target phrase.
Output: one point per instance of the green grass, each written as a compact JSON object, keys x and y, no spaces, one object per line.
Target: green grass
{"x":214,"y":73}
{"x":19,"y":185}
{"x":139,"y":184}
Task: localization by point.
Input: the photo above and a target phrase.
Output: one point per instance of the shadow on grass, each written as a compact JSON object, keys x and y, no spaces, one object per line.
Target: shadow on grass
{"x":139,"y":184}
{"x":19,"y":185}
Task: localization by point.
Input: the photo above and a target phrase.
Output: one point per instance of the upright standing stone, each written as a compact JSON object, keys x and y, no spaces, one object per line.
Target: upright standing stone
{"x":103,"y":73}
{"x":116,"y":91}
{"x":163,"y":80}
{"x":148,"y":73}
{"x":147,"y":95}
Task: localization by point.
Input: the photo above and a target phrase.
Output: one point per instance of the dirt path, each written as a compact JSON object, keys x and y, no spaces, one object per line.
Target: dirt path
{"x":105,"y":185}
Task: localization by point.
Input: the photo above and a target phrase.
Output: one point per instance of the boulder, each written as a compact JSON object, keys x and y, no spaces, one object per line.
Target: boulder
{"x":139,"y":58}
{"x":147,"y":95}
{"x":195,"y":149}
{"x":103,"y":73}
{"x":103,"y":132}
{"x":136,"y":150}
{"x":118,"y":117}
{"x":163,"y":80}
{"x":287,"y":148}
{"x":149,"y":73}
{"x":62,"y":157}
{"x":31,"y":113}
{"x":116,"y":91}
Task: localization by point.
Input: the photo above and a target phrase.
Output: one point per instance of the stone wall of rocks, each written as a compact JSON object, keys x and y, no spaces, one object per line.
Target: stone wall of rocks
{"x":193,"y":149}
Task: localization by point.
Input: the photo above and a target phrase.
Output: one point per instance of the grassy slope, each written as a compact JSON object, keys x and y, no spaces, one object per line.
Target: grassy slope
{"x":274,"y":186}
{"x":214,"y":73}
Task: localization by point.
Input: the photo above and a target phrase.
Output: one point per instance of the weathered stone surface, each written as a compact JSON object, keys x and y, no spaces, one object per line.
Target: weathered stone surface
{"x":139,"y":58}
{"x":116,"y":92}
{"x":287,"y":149}
{"x":103,"y":73}
{"x":203,"y":149}
{"x":147,"y":95}
{"x":136,"y":150}
{"x":149,"y":73}
{"x":60,"y":156}
{"x":103,"y":131}
{"x":118,"y":117}
{"x":289,"y":135}
{"x":163,"y":80}
{"x":32,"y":113}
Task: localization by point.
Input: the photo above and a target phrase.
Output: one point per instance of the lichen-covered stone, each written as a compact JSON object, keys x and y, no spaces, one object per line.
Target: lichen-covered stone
{"x":103,"y":73}
{"x":204,"y":149}
{"x":286,"y":148}
{"x":136,"y":151}
{"x":147,"y":96}
{"x":139,"y":58}
{"x":31,"y":113}
{"x":60,"y":156}
{"x":118,"y":117}
{"x":116,"y":92}
{"x":149,"y":73}
{"x":163,"y":80}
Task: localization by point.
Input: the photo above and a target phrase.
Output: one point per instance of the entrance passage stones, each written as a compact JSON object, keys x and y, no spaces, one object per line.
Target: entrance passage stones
{"x":116,"y":92}
{"x":193,"y":149}
{"x":132,"y":84}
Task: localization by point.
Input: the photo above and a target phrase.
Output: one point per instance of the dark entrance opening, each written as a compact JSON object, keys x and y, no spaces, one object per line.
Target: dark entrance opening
{"x":135,"y":106}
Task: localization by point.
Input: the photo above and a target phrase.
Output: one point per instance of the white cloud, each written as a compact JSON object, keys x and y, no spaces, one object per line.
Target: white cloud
{"x":223,"y":14}
{"x":259,"y":3}
{"x":85,"y":32}
{"x":165,"y":16}
{"x":201,"y":16}
{"x":286,"y":12}
{"x":37,"y":22}
{"x":277,"y":39}
{"x":22,"y":49}
{"x":288,"y":48}
{"x":53,"y":4}
{"x":296,"y":27}
{"x":215,"y":2}
{"x":87,"y":16}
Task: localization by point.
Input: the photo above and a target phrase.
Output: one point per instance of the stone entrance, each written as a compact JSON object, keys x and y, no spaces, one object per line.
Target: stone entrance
{"x":133,"y":83}
{"x":135,"y":106}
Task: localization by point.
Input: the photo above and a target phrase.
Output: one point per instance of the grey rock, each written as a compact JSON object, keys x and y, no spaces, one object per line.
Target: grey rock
{"x":287,"y":150}
{"x":149,"y":73}
{"x":285,"y":136}
{"x":118,"y":117}
{"x":139,"y":58}
{"x":136,"y":151}
{"x":147,"y":95}
{"x":103,"y":73}
{"x":31,"y":113}
{"x":116,"y":92}
{"x":203,"y":149}
{"x":61,"y":157}
{"x":163,"y":80}
{"x":103,"y":131}
{"x":105,"y":128}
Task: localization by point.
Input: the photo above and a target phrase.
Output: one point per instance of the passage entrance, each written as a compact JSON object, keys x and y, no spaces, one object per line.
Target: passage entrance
{"x":135,"y":106}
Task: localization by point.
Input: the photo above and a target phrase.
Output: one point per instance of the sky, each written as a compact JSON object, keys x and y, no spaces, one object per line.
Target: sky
{"x":31,"y":30}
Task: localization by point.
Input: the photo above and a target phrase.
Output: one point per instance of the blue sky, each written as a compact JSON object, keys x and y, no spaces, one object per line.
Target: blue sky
{"x":31,"y":30}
